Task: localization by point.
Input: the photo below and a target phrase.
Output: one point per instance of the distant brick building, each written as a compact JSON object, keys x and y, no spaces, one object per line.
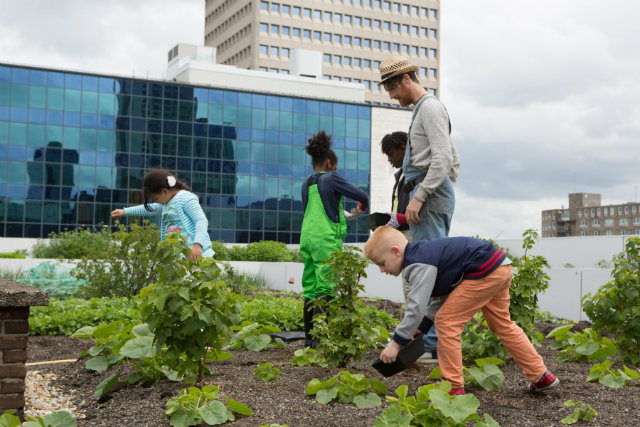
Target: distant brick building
{"x":587,"y":217}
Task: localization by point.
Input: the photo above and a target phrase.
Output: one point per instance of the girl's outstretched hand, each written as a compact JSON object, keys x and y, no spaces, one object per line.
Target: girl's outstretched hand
{"x":196,"y":251}
{"x":118,"y":213}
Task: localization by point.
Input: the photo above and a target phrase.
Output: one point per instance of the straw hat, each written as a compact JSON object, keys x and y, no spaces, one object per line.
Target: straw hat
{"x":395,"y":66}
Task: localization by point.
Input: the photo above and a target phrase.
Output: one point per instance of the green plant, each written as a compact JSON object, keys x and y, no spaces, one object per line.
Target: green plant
{"x":10,"y":273}
{"x":238,"y":253}
{"x":243,"y":282}
{"x":616,"y":306}
{"x":64,"y":317}
{"x":568,"y":265}
{"x":221,"y":253}
{"x":348,"y":388}
{"x":269,"y":251}
{"x":581,"y":413}
{"x":267,"y":372}
{"x":603,"y":263}
{"x":432,"y":406}
{"x":128,"y":266}
{"x":487,"y":374}
{"x":529,"y":281}
{"x":188,"y":310}
{"x":341,"y":328}
{"x":546,"y":316}
{"x":610,"y":378}
{"x":308,"y":356}
{"x":585,"y":346}
{"x":21,"y":253}
{"x":280,"y":312}
{"x":54,"y":419}
{"x":479,"y":342}
{"x":254,"y":337}
{"x":193,"y":406}
{"x":75,"y":244}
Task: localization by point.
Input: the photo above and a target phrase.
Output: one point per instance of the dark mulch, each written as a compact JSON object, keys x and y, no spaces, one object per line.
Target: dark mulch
{"x":285,"y":402}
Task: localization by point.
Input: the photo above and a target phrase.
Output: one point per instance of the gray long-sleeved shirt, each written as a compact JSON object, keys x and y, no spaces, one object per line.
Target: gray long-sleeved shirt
{"x":432,"y":148}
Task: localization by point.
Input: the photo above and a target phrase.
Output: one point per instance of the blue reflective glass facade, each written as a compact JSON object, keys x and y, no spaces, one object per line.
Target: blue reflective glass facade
{"x":73,"y":147}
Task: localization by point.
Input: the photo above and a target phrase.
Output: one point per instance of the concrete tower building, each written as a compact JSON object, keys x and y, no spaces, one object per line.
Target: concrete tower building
{"x":353,"y":37}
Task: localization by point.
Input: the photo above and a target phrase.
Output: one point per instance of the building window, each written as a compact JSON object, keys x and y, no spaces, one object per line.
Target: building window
{"x":619,"y":210}
{"x":357,"y":21}
{"x":306,"y":34}
{"x":275,"y":29}
{"x":376,"y":65}
{"x":264,"y":5}
{"x":626,"y":210}
{"x":623,"y":222}
{"x":595,"y":233}
{"x":366,"y":64}
{"x":634,"y":209}
{"x":386,"y":25}
{"x":595,"y":223}
{"x":386,"y":46}
{"x":432,"y":53}
{"x":405,"y":28}
{"x":326,"y":58}
{"x":432,"y":13}
{"x":262,"y":49}
{"x":264,"y":28}
{"x":583,"y":224}
{"x":347,"y":61}
{"x":396,"y":27}
{"x":275,"y":7}
{"x":376,"y":44}
{"x":273,"y":50}
{"x":624,"y":232}
{"x":432,"y":33}
{"x":583,"y":233}
{"x":327,"y":16}
{"x":317,"y":14}
{"x":295,"y":11}
{"x":367,"y":84}
{"x":284,"y":52}
{"x":611,"y":211}
{"x":357,"y":62}
{"x":636,"y":221}
{"x":295,"y":32}
{"x":346,"y":40}
{"x":306,"y":12}
{"x":367,"y":43}
{"x":337,"y":38}
{"x":347,"y":20}
{"x":608,"y":222}
{"x":376,"y":24}
{"x":317,"y":35}
{"x":357,"y":41}
{"x":286,"y":9}
{"x":366,"y":22}
{"x":593,"y":212}
{"x":337,"y":59}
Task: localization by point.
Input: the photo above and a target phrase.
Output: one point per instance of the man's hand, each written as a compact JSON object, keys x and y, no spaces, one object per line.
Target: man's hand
{"x":390,"y":353}
{"x":413,"y":209}
{"x":196,"y":251}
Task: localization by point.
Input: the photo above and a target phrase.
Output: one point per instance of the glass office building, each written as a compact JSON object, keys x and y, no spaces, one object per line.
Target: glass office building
{"x":75,"y":146}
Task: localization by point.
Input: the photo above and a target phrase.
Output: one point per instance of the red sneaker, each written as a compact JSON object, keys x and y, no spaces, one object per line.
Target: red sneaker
{"x":546,"y":382}
{"x":456,"y":391}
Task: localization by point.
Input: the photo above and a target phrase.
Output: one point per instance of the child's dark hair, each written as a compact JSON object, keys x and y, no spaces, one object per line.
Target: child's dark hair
{"x":393,"y":141}
{"x":319,"y":149}
{"x":157,"y":180}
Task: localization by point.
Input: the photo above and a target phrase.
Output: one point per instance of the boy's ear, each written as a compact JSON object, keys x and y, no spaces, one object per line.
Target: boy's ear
{"x":395,"y":250}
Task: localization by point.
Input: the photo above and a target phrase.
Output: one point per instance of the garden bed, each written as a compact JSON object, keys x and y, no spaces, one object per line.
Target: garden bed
{"x":285,"y":402}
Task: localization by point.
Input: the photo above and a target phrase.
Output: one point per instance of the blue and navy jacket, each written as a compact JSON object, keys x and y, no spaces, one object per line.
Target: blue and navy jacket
{"x":434,"y":267}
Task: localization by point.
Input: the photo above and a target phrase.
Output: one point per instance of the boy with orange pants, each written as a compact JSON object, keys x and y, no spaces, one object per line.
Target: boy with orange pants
{"x":462,"y":275}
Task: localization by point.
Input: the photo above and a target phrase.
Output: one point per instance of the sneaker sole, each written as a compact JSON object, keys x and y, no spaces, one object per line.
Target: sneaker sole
{"x":550,"y":386}
{"x":427,"y":361}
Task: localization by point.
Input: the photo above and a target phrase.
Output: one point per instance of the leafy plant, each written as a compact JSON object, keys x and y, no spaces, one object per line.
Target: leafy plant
{"x":341,"y":329}
{"x":308,"y":356}
{"x":280,"y":312}
{"x":585,"y":346}
{"x":529,"y":281}
{"x":479,"y":342}
{"x":267,"y":372}
{"x":21,"y":253}
{"x":54,"y":419}
{"x":581,"y":413}
{"x":568,"y":265}
{"x":243,"y":282}
{"x":64,"y":317}
{"x":266,"y":250}
{"x":193,"y":406}
{"x":220,"y":250}
{"x":603,"y":263}
{"x":348,"y":388}
{"x":610,"y":378}
{"x":188,"y":310}
{"x":546,"y":316}
{"x":253,"y":336}
{"x":486,"y":374}
{"x":128,"y":265}
{"x":74,"y":244}
{"x":616,"y":305}
{"x":432,"y":405}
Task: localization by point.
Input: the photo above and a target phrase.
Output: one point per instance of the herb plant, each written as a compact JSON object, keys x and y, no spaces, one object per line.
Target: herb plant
{"x":267,"y":372}
{"x":432,"y":406}
{"x":348,"y":388}
{"x":193,"y":406}
{"x":189,"y":310}
{"x":54,"y":419}
{"x":610,"y":378}
{"x":585,"y":346}
{"x":583,"y":412}
{"x":486,"y":374}
{"x":616,"y":305}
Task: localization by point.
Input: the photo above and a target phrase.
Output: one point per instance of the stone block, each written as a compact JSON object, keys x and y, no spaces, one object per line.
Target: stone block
{"x":13,"y":371}
{"x":14,"y":356}
{"x":13,"y":343}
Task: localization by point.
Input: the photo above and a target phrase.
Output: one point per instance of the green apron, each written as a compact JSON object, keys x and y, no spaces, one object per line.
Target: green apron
{"x":318,"y":238}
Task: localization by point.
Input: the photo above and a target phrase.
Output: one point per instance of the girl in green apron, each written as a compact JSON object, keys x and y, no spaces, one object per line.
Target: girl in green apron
{"x":323,"y":225}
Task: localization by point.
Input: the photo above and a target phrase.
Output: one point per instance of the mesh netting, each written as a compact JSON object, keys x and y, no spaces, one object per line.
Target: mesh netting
{"x":54,"y":278}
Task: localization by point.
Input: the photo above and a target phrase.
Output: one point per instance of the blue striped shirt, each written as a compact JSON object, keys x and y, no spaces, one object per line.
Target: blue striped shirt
{"x":183,"y":211}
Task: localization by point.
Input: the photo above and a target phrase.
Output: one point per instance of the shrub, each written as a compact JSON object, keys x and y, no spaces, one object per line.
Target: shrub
{"x":268,"y":251}
{"x":238,"y":253}
{"x":615,"y":306}
{"x":75,"y":244}
{"x":281,"y":312}
{"x":220,"y":250}
{"x":129,"y":265}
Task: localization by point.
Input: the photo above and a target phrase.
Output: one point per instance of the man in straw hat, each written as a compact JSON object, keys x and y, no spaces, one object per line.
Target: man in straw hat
{"x":431,"y":161}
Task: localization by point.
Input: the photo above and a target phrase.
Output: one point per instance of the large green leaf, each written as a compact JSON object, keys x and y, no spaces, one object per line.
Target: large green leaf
{"x":612,"y":381}
{"x":181,"y":418}
{"x":458,"y":408}
{"x":139,"y":347}
{"x":102,"y":363}
{"x":106,"y":385}
{"x":393,"y":417}
{"x":9,"y":420}
{"x":142,"y":330}
{"x":370,"y":400}
{"x":257,"y":343}
{"x":587,"y":348}
{"x":59,"y":419}
{"x":214,"y":413}
{"x":490,"y":377}
{"x":378,"y":386}
{"x":239,"y":408}
{"x":325,"y":396}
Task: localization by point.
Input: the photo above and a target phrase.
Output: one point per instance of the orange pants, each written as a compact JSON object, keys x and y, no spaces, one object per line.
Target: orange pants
{"x":491,"y":295}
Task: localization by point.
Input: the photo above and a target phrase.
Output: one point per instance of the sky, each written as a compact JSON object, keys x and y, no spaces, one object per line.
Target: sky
{"x":544,"y":96}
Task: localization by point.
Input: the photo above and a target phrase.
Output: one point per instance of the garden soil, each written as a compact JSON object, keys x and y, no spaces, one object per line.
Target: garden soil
{"x":285,"y":402}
